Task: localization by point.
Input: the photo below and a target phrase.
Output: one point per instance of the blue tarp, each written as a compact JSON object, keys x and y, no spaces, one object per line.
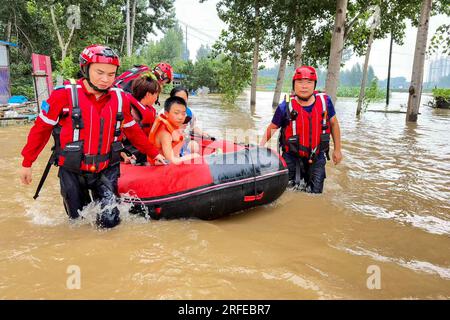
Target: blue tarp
{"x":17,"y":99}
{"x":8,"y":43}
{"x":179,"y":76}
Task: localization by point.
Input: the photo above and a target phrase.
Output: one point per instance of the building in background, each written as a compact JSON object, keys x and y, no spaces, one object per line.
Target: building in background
{"x":5,"y":81}
{"x":439,"y":72}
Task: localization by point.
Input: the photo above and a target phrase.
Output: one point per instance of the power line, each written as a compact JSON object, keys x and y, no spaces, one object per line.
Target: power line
{"x":198,"y":31}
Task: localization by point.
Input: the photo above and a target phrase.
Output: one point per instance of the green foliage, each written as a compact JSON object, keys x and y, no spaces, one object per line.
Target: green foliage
{"x":373,"y":93}
{"x":21,"y":80}
{"x":206,"y":73}
{"x":169,"y":49}
{"x":234,"y":76}
{"x":101,"y":22}
{"x":128,"y":62}
{"x":441,"y":93}
{"x":203,"y":52}
{"x":66,"y":68}
{"x":440,"y":41}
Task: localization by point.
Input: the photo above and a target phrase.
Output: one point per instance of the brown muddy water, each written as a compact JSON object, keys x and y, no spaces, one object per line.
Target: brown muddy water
{"x":380,"y":230}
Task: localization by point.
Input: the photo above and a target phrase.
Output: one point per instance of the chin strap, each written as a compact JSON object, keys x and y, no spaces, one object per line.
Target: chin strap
{"x":304,"y":99}
{"x":95,"y":87}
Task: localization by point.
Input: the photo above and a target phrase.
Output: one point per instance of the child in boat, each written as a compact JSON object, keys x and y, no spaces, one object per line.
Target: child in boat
{"x":189,"y":126}
{"x":166,"y":133}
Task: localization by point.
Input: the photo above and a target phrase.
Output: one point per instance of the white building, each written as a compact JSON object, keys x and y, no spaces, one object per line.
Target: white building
{"x":439,"y":67}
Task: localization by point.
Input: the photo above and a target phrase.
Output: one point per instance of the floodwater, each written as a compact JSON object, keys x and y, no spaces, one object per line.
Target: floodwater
{"x":380,"y":230}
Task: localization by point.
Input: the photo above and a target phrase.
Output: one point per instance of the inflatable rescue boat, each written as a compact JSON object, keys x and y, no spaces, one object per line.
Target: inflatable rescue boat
{"x":228,"y":178}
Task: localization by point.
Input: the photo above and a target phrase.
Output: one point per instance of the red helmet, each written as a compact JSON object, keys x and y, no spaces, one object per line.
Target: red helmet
{"x":305,"y":72}
{"x":96,"y":53}
{"x":163,"y":71}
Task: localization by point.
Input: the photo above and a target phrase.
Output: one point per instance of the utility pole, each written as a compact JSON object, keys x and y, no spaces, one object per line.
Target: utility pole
{"x":186,"y":49}
{"x":128,"y":30}
{"x":389,"y":72}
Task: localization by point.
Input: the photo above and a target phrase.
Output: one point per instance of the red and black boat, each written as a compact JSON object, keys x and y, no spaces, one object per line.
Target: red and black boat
{"x":228,"y":178}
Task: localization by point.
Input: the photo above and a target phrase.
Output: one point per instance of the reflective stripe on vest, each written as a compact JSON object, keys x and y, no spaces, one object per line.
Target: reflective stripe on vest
{"x":119,"y":110}
{"x":325,"y":112}
{"x":73,"y":86}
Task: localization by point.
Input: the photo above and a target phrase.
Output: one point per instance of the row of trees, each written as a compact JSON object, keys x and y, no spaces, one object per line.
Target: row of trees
{"x":317,"y":32}
{"x":347,"y":78}
{"x":61,"y":29}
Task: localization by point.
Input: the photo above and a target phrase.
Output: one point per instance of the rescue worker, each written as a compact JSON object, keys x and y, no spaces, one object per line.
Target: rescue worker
{"x":306,"y":120}
{"x":164,"y":73}
{"x":87,"y":118}
{"x":144,"y":93}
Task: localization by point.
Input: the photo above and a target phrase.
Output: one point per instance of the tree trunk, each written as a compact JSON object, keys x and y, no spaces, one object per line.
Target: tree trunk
{"x":133,"y":22}
{"x":58,"y":35}
{"x":337,"y":46}
{"x":255,"y":60}
{"x":282,"y":69}
{"x":128,"y":30}
{"x":63,"y":45}
{"x":8,"y":31}
{"x":298,"y":49}
{"x":122,"y":42}
{"x":364,"y":75}
{"x":415,"y":89}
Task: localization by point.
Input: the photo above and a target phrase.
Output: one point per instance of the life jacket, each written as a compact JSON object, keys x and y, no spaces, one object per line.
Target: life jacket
{"x":147,"y":114}
{"x":124,"y":80}
{"x":89,"y":140}
{"x":162,"y":120}
{"x":307,"y":134}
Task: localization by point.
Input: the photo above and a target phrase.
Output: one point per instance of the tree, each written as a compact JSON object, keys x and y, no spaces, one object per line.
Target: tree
{"x":299,"y":20}
{"x":337,"y":46}
{"x":205,"y":73}
{"x":415,"y":89}
{"x":29,"y":23}
{"x":441,"y":40}
{"x":370,"y":74}
{"x":247,"y":23}
{"x":374,"y":25}
{"x":235,"y":55}
{"x":143,"y":17}
{"x":203,"y":52}
{"x":63,"y":44}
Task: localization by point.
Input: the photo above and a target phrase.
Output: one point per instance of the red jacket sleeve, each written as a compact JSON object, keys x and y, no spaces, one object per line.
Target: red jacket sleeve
{"x":135,"y":134}
{"x":43,"y":126}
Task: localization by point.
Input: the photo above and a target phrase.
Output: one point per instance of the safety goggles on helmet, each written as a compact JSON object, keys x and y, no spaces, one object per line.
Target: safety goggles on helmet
{"x":161,"y":75}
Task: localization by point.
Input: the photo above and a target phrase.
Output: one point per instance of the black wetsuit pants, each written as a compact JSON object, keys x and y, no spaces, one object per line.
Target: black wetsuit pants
{"x":103,"y":187}
{"x":305,"y":176}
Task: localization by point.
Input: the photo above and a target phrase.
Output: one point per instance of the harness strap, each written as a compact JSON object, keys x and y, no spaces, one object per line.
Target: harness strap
{"x":324,"y":113}
{"x":119,"y":115}
{"x":76,"y":111}
{"x":294,"y":122}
